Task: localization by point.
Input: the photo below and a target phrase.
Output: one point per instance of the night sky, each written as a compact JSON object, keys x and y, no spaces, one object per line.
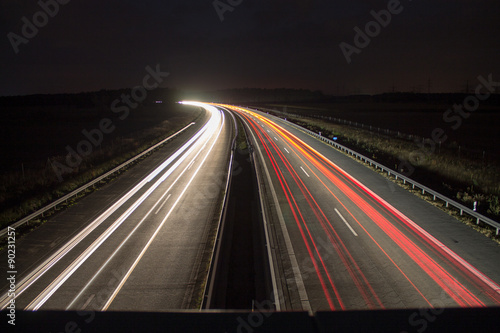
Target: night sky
{"x":92,"y":45}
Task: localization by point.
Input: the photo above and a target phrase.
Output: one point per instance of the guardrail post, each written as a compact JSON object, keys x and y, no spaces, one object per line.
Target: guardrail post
{"x":415,"y":185}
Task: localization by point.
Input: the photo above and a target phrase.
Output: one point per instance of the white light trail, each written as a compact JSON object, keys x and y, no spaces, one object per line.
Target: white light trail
{"x":50,"y":262}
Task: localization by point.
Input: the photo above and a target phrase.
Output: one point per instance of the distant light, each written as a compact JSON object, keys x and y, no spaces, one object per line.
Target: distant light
{"x":334,"y":138}
{"x":158,"y":102}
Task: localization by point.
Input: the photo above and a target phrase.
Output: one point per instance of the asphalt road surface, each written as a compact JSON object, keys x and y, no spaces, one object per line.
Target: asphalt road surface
{"x":345,"y":238}
{"x":142,"y":242}
{"x":340,"y":236}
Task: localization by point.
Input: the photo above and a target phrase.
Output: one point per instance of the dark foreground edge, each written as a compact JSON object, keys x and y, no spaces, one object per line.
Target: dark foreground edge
{"x":415,"y":320}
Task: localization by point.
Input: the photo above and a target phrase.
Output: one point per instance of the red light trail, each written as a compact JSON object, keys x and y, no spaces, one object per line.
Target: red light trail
{"x":446,"y":269}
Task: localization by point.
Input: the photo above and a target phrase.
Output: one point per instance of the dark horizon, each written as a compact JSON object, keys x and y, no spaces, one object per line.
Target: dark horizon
{"x":341,"y":47}
{"x":239,"y":95}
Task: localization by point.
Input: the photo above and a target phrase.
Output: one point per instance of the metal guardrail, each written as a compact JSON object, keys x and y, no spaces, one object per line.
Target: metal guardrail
{"x":86,"y":186}
{"x":449,"y":202}
{"x":460,"y":150}
{"x":214,"y":260}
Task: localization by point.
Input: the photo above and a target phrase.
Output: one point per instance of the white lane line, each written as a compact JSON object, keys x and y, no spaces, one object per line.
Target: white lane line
{"x":346,"y":223}
{"x":130,"y":235}
{"x":134,"y":230}
{"x":47,"y":264}
{"x":305,"y":172}
{"x":66,"y":274}
{"x":287,"y":151}
{"x":88,"y":301}
{"x":304,"y":298}
{"x":118,"y":249}
{"x":275,"y":138}
{"x":144,"y":250}
{"x":164,"y":202}
{"x":190,"y":164}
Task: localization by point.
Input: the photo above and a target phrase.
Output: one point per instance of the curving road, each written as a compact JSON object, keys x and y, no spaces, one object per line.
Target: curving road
{"x":339,"y":236}
{"x":143,"y":242}
{"x":338,"y":244}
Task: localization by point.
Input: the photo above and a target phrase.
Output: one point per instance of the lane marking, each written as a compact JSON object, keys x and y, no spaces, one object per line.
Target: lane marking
{"x":118,"y":248}
{"x":164,"y":202}
{"x":346,"y":223}
{"x":276,"y":138}
{"x":132,"y":232}
{"x":304,"y":299}
{"x":423,"y":233}
{"x":305,"y":172}
{"x":148,"y":244}
{"x":34,"y":275}
{"x":66,"y":274}
{"x":88,"y":301}
{"x":287,"y":151}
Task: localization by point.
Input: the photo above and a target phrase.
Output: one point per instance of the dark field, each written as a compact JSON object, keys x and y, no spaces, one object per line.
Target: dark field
{"x":479,"y":132}
{"x":35,"y":138}
{"x":466,"y":166}
{"x":30,"y":135}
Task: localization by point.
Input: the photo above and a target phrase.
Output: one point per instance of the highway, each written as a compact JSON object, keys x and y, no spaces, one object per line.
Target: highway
{"x":142,"y":242}
{"x":344,"y":238}
{"x":339,"y":236}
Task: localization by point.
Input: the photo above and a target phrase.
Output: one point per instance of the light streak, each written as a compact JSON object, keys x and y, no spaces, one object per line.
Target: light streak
{"x":371,"y":205}
{"x":203,"y":134}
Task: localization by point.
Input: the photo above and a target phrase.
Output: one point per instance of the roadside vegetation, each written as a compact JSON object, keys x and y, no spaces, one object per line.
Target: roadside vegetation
{"x":466,"y":180}
{"x":23,"y":191}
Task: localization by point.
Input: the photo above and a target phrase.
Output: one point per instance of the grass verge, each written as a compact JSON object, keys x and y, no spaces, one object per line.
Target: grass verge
{"x":481,"y":182}
{"x":47,"y":189}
